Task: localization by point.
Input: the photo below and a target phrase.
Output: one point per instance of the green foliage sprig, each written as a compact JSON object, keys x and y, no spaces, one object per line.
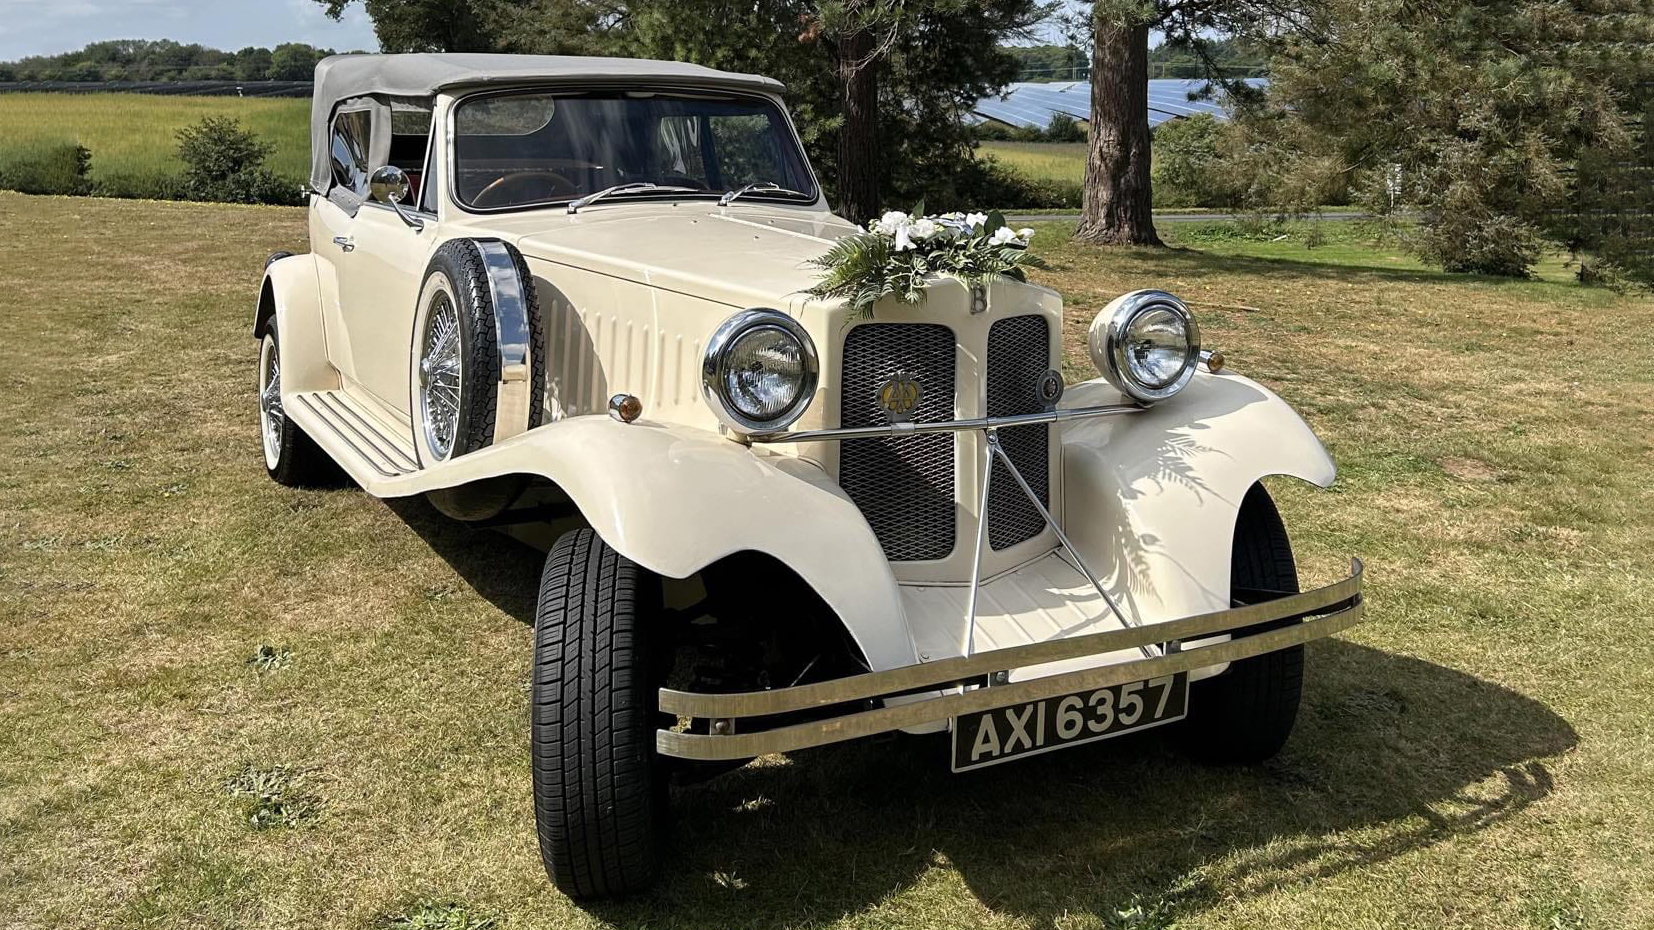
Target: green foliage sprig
{"x":900,"y":254}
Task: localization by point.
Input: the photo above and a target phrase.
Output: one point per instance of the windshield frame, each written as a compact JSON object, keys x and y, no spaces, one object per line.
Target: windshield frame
{"x":451,"y":171}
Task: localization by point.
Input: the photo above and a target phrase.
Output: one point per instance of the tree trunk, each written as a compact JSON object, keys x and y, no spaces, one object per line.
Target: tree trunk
{"x":1118,"y":205}
{"x":858,"y":141}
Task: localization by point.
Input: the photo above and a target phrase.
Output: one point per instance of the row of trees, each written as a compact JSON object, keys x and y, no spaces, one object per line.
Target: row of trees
{"x":1510,"y":126}
{"x":165,"y":60}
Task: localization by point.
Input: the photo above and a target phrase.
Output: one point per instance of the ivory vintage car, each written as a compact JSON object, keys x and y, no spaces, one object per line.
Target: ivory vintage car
{"x":565,"y":297}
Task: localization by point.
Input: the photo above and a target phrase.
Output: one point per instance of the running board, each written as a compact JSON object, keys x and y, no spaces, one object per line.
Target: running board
{"x":360,"y":441}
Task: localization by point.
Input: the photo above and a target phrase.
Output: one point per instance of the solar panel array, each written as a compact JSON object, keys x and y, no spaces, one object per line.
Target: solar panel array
{"x":1031,"y":105}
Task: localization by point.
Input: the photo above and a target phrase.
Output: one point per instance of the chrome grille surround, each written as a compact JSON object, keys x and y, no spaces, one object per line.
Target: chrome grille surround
{"x":903,"y":486}
{"x":1019,"y":352}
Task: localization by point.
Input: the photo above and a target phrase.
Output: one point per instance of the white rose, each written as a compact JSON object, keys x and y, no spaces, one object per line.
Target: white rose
{"x":1003,"y":236}
{"x":922,"y":229}
{"x":976,"y":219}
{"x":1025,"y":234}
{"x":891,"y":222}
{"x":904,"y":238}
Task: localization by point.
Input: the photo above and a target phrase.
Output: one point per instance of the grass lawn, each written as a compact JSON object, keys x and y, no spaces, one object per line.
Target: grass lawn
{"x":226,"y":704}
{"x":136,"y":133}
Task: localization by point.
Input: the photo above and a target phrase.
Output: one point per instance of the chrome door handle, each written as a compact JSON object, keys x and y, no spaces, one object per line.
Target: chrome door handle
{"x":344,"y":243}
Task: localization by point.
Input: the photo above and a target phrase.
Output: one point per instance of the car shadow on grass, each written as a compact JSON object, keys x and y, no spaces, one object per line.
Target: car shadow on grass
{"x":1391,"y":754}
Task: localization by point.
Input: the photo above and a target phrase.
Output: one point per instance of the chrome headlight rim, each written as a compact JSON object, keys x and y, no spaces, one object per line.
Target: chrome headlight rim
{"x":715,"y":368}
{"x":1115,"y":364}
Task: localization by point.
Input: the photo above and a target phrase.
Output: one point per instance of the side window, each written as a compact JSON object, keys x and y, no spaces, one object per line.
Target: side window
{"x":410,"y":146}
{"x":349,"y":150}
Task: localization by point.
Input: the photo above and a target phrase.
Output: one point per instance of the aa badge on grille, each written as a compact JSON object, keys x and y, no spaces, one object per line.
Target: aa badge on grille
{"x":899,"y":397}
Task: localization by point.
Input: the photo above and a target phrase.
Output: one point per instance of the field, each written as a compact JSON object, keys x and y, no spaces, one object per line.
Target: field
{"x":227,"y":704}
{"x":135,"y":133}
{"x":1039,"y":161}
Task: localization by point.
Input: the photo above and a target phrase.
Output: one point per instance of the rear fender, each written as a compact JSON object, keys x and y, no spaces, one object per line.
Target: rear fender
{"x":676,"y":500}
{"x":290,"y":294}
{"x":1151,"y":500}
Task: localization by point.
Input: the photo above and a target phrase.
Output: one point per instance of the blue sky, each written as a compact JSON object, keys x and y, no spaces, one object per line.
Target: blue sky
{"x":43,"y":27}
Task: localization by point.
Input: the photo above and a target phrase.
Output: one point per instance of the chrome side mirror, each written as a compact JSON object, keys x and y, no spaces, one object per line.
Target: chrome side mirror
{"x":389,"y":185}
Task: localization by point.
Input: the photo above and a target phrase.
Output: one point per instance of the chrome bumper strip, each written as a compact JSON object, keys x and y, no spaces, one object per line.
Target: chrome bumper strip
{"x":950,"y":426}
{"x":1339,"y":605}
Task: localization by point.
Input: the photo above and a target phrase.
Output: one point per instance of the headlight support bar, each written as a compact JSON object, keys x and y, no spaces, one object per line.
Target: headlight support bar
{"x":890,"y":430}
{"x":996,"y":451}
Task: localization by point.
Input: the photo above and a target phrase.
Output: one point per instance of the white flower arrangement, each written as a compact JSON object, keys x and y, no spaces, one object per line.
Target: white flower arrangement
{"x":900,"y":254}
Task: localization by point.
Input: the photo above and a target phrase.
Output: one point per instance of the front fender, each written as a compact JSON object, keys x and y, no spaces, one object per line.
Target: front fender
{"x":675,"y":500}
{"x":1150,"y":500}
{"x":291,"y":295}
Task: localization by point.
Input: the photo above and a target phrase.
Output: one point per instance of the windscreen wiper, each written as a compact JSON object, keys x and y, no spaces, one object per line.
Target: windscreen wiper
{"x":636,"y":187}
{"x":758,"y":187}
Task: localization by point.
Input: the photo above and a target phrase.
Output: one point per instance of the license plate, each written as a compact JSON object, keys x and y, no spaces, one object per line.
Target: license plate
{"x":1004,"y":733}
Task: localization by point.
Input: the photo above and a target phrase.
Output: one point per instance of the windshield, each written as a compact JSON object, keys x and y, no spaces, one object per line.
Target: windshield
{"x":528,"y":149}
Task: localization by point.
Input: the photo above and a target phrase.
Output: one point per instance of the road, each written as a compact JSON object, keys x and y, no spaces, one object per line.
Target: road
{"x":1020,"y":218}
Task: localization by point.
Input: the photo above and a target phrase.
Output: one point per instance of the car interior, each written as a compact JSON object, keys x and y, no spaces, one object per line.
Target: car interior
{"x":531,"y":148}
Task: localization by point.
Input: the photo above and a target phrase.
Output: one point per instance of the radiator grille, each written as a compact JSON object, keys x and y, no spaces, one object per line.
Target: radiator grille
{"x":1019,"y":352}
{"x":903,"y":486}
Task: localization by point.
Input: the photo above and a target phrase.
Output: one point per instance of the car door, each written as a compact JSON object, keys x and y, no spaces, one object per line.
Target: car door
{"x":381,"y":260}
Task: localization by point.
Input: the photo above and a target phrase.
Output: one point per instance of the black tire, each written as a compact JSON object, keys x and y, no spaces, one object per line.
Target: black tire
{"x":600,"y":800}
{"x":1246,"y":714}
{"x":300,"y":463}
{"x":459,"y":263}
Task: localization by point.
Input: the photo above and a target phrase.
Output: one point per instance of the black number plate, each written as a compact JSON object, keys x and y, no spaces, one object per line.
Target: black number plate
{"x":1005,"y":733}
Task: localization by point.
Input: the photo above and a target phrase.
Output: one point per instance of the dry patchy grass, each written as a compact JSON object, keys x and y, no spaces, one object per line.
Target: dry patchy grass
{"x":1477,"y":756}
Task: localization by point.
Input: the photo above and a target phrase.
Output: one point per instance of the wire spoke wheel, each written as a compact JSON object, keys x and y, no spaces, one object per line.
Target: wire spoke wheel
{"x":441,"y":370}
{"x":271,"y":417}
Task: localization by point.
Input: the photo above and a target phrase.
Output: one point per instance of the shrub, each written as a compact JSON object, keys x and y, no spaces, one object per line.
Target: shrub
{"x":991,"y":131}
{"x":984,"y":181}
{"x":140,"y":185}
{"x":1065,"y":128}
{"x":51,"y":168}
{"x":1496,"y":244}
{"x":1188,"y":171}
{"x":225,"y":162}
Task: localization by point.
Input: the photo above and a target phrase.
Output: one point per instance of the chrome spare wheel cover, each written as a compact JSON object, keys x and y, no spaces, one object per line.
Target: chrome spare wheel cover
{"x":440,"y":371}
{"x":271,"y":418}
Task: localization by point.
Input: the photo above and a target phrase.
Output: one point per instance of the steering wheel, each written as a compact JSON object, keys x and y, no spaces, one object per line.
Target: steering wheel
{"x":683,"y":180}
{"x":500,"y":192}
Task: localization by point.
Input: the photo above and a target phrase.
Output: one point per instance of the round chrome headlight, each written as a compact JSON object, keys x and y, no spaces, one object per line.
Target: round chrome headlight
{"x":759,"y":372}
{"x":1146,"y":344}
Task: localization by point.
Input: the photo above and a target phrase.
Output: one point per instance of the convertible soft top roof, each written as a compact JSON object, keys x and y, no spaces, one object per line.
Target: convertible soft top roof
{"x":345,"y":77}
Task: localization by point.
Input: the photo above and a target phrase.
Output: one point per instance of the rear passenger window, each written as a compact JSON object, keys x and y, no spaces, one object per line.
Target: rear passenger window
{"x":349,"y":150}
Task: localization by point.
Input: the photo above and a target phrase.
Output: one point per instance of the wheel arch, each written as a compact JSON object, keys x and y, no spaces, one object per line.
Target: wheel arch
{"x":1153,"y":500}
{"x":704,"y":501}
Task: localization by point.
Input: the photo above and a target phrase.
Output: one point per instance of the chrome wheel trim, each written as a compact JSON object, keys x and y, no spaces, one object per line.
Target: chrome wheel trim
{"x":440,"y":372}
{"x":271,"y":417}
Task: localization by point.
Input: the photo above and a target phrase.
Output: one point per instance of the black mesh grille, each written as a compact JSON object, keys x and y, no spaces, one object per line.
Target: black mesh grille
{"x":903,"y":486}
{"x":1019,"y":352}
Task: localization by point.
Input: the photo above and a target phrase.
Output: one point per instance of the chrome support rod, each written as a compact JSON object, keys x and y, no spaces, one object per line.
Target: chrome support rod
{"x":950,"y":426}
{"x":994,"y":450}
{"x":981,"y":538}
